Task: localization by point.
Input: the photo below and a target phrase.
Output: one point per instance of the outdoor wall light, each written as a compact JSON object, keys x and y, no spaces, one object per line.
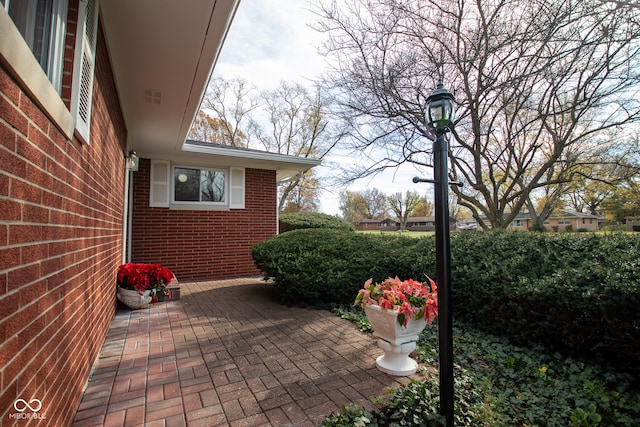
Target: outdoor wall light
{"x":133,"y":161}
{"x":440,"y":112}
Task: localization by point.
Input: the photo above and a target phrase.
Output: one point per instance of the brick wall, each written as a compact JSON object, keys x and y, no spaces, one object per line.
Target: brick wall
{"x":204,"y":244}
{"x":61,"y":208}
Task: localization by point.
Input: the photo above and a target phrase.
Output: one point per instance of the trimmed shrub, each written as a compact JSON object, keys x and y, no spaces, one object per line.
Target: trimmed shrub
{"x":575,"y":291}
{"x":323,"y":267}
{"x":299,"y":220}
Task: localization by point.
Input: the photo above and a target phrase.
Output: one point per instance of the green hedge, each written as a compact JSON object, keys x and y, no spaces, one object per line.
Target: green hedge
{"x":300,"y":220}
{"x":323,"y":267}
{"x":578,"y":291}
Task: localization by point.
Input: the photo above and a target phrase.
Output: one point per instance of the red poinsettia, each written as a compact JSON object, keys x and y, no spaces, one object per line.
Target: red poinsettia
{"x":145,"y":277}
{"x":410,"y":298}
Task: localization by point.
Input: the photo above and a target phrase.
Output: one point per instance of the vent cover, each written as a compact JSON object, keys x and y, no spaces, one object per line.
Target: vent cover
{"x":152,"y":96}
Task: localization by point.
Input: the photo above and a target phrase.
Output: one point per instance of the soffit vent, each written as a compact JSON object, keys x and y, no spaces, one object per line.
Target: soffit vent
{"x":152,"y":96}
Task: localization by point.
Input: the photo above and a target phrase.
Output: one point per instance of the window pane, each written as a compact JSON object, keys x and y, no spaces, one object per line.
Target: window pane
{"x":42,"y":24}
{"x":19,"y":13}
{"x":42,"y":33}
{"x":186,"y":184}
{"x":212,"y":186}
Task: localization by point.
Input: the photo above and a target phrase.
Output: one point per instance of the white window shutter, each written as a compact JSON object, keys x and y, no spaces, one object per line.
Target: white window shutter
{"x":160,"y":184}
{"x":236,"y":188}
{"x":84,"y":65}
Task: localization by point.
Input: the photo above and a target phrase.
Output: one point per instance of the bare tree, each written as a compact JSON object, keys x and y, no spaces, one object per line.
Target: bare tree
{"x":231,"y":103}
{"x":403,"y":206}
{"x":286,"y":120}
{"x":215,"y":130}
{"x":593,"y":186}
{"x":297,"y":124}
{"x":376,"y":203}
{"x":538,"y":84}
{"x":304,"y":197}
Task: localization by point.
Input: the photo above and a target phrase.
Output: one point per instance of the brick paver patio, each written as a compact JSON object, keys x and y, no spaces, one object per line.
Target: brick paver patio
{"x":228,"y":354}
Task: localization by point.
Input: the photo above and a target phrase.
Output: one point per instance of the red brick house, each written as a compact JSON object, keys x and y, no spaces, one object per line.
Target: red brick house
{"x":417,"y":223}
{"x":83,"y":85}
{"x":204,"y":239}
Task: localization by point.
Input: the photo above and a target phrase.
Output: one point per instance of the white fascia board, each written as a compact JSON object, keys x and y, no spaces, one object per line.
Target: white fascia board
{"x":302,"y":162}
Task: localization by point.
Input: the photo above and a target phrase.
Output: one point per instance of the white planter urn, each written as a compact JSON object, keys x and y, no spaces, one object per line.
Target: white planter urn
{"x":395,"y":340}
{"x":132,"y":299}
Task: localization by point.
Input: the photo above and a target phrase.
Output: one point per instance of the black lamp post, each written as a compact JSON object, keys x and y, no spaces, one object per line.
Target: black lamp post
{"x":440,"y":115}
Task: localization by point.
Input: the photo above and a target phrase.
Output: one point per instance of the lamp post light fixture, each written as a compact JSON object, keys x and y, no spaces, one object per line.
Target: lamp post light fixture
{"x":440,"y":115}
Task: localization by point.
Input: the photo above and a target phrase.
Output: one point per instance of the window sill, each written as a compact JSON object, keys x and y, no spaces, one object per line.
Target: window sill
{"x":197,"y":207}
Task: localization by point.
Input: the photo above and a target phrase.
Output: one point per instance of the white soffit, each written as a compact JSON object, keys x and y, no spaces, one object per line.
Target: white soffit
{"x":162,"y":53}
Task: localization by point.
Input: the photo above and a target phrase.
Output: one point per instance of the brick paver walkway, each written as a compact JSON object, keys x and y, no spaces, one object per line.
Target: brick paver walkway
{"x":227,"y":354}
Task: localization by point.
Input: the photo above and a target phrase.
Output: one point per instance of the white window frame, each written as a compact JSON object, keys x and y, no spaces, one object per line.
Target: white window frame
{"x":19,"y":58}
{"x":225,"y":201}
{"x":56,"y":22}
{"x":162,"y":190}
{"x":43,"y":88}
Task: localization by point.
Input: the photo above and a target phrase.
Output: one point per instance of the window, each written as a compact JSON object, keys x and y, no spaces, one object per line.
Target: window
{"x":199,"y":185}
{"x":34,"y":36}
{"x":564,"y":222}
{"x":190,"y":187}
{"x":517,"y":223}
{"x":42,"y":24}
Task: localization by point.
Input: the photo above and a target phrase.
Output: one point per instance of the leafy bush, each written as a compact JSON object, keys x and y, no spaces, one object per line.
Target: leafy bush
{"x":574,"y":291}
{"x":298,"y":220}
{"x":321,"y":267}
{"x":500,"y":384}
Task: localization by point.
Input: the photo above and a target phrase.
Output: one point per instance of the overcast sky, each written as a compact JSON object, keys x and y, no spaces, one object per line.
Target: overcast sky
{"x":269,"y":41}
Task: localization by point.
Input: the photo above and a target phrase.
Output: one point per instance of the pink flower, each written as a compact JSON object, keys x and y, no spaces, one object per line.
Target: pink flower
{"x":408,"y":311}
{"x":409,"y":297}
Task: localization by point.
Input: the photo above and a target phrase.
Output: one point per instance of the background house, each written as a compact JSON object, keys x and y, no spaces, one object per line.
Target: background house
{"x":413,"y":224}
{"x":632,"y":223}
{"x":79,"y":94}
{"x":561,"y":220}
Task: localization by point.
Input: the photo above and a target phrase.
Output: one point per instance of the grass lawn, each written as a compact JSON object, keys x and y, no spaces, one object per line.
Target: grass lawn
{"x":404,"y":233}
